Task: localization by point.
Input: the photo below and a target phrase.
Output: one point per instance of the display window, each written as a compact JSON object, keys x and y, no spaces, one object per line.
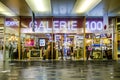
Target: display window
{"x":56,"y":38}
{"x":11,"y":38}
{"x":99,"y":38}
{"x":60,"y":38}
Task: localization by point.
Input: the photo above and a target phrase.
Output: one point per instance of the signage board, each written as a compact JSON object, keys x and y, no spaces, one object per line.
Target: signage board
{"x":62,"y":25}
{"x":35,"y":53}
{"x":42,"y":42}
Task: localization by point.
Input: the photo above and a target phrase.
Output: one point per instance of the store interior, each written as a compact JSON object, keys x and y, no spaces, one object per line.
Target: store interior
{"x":85,"y":43}
{"x":65,"y":46}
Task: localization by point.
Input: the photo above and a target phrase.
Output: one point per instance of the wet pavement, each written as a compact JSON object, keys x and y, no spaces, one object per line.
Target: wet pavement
{"x":60,"y":70}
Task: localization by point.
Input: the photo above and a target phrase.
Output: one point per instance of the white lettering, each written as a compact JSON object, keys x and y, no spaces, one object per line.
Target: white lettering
{"x":68,"y":25}
{"x":56,"y":25}
{"x":74,"y":25}
{"x":47,"y":25}
{"x":87,"y":25}
{"x":31,"y":24}
{"x":62,"y":25}
{"x":94,"y":25}
{"x":99,"y":25}
{"x":41,"y":26}
{"x":7,"y":23}
{"x":12,"y":23}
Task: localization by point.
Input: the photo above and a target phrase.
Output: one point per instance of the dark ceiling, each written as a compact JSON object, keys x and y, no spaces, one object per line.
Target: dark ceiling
{"x":20,"y":7}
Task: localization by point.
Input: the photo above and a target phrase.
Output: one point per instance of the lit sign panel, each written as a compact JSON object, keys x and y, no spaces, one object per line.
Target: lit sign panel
{"x":69,"y":25}
{"x":42,"y":42}
{"x":57,"y":25}
{"x":94,"y":25}
{"x":11,"y":23}
{"x":62,"y":25}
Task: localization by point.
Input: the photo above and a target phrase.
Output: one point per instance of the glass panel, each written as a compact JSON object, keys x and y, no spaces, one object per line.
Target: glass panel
{"x":11,"y":38}
{"x":68,"y":38}
{"x":1,"y":38}
{"x":118,"y":37}
{"x":36,"y":44}
{"x":55,"y":38}
{"x":99,"y":39}
{"x":94,"y":27}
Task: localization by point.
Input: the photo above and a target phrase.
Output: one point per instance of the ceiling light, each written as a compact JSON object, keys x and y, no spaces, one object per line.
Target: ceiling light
{"x":39,"y":5}
{"x":83,"y":6}
{"x":5,"y":10}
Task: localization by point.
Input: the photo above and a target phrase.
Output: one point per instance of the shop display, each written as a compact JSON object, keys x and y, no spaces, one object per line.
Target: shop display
{"x":35,"y":53}
{"x":57,"y":38}
{"x":29,"y":42}
{"x":78,"y":41}
{"x":101,"y":45}
{"x":65,"y":38}
{"x":42,"y":42}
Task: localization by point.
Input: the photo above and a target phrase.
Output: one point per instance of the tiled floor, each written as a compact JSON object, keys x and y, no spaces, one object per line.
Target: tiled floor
{"x":60,"y":70}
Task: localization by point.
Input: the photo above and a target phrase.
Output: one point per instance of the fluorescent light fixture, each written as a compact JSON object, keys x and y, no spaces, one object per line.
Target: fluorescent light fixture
{"x":39,"y":5}
{"x":4,"y":10}
{"x":82,"y":6}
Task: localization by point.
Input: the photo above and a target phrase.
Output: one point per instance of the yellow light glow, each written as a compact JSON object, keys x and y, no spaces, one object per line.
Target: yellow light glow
{"x":83,"y":6}
{"x":8,"y":13}
{"x":106,"y":41}
{"x":89,"y":41}
{"x":3,"y":7}
{"x":2,"y":10}
{"x":5,"y":10}
{"x":13,"y":38}
{"x":39,"y":5}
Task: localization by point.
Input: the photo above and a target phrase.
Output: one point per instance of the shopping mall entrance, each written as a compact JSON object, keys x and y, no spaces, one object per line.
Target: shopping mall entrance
{"x":53,"y":38}
{"x":59,"y":39}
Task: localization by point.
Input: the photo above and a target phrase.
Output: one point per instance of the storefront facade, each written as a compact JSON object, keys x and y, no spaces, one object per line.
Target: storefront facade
{"x":81,"y":38}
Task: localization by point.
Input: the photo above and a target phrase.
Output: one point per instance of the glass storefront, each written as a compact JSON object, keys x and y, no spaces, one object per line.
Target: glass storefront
{"x":11,"y":38}
{"x":118,"y":36}
{"x":59,"y":38}
{"x":99,"y":39}
{"x":53,"y":38}
{"x":1,"y":32}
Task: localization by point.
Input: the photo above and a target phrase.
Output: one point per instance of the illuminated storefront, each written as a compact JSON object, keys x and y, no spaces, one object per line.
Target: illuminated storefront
{"x":62,"y":32}
{"x":60,"y":38}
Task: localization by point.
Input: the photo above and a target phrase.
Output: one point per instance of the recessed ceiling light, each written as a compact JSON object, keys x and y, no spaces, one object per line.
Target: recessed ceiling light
{"x":39,"y":5}
{"x":83,"y":6}
{"x":4,"y":10}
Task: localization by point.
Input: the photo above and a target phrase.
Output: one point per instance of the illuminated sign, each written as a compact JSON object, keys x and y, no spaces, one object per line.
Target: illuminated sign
{"x":63,"y":24}
{"x":11,"y":23}
{"x":42,"y":42}
{"x":57,"y":25}
{"x":60,"y":25}
{"x":69,"y":25}
{"x":94,"y":25}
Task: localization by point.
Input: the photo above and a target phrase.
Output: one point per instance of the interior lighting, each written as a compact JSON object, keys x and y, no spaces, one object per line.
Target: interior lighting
{"x":82,"y":6}
{"x":39,"y":5}
{"x":4,"y":10}
{"x":88,"y":41}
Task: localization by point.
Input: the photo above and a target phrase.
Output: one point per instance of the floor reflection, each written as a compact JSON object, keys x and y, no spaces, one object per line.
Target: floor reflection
{"x":60,"y":70}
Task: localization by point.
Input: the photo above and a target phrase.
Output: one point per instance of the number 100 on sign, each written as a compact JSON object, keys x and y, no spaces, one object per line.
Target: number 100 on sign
{"x":93,"y":25}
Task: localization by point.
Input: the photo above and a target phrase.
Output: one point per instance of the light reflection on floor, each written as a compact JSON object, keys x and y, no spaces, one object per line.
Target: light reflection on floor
{"x":60,"y":70}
